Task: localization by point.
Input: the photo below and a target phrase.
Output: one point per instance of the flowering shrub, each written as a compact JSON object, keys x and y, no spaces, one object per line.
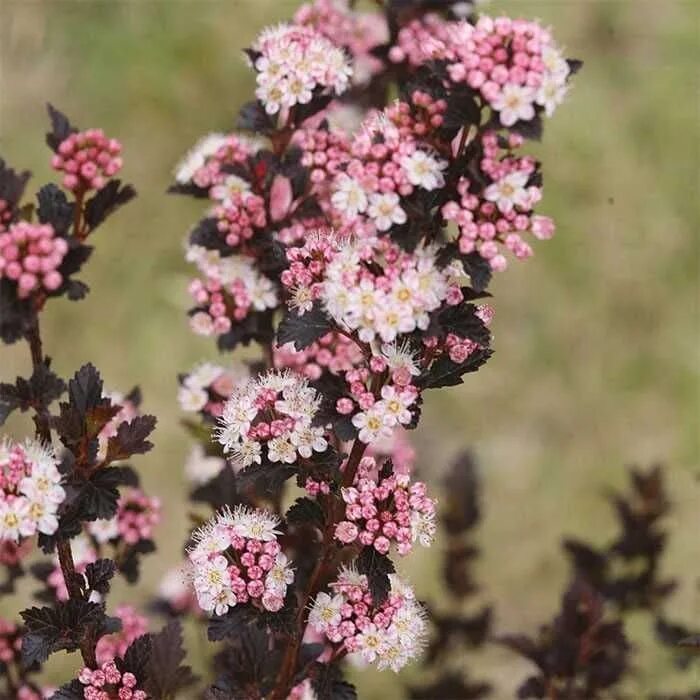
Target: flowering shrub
{"x":67,"y":491}
{"x":351,"y":239}
{"x":355,"y":259}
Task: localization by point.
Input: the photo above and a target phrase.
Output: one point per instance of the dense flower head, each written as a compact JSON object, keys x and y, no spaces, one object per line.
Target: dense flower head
{"x":113,"y":645}
{"x":382,"y":509}
{"x":239,"y":214}
{"x":333,"y":352}
{"x":207,"y":386}
{"x":500,"y":215}
{"x":325,"y":152}
{"x":419,"y":117}
{"x":108,"y":682}
{"x":389,"y":635}
{"x":358,"y":32}
{"x":88,"y":159}
{"x":515,"y":65}
{"x":272,"y":417}
{"x":385,"y":165}
{"x":30,"y":256}
{"x":231,"y":288}
{"x":205,"y":164}
{"x":30,"y":490}
{"x":383,"y":302}
{"x":293,"y":63}
{"x":237,"y":559}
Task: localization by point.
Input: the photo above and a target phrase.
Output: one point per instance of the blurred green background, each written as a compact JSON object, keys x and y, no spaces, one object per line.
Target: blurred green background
{"x":596,"y":337}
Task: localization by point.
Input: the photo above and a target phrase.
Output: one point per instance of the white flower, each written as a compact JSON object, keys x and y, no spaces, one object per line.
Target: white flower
{"x":385,"y":211}
{"x":514,"y":103}
{"x":272,"y":95}
{"x":372,"y":424}
{"x":423,"y":170}
{"x":203,"y":375}
{"x":400,"y":357}
{"x":509,"y":191}
{"x":551,"y":94}
{"x":309,"y":440}
{"x":12,"y":518}
{"x":200,"y":468}
{"x":252,"y":523}
{"x":555,"y":63}
{"x":197,"y":157}
{"x":423,"y":528}
{"x":280,"y":575}
{"x":211,"y":575}
{"x":219,"y":602}
{"x":201,"y":323}
{"x":39,"y":516}
{"x":225,"y":191}
{"x":281,"y":450}
{"x":192,"y":399}
{"x":371,"y":643}
{"x":326,"y":611}
{"x":395,"y":404}
{"x":349,"y":197}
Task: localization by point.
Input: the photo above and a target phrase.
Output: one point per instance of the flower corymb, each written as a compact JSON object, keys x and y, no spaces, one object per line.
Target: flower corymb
{"x":292,"y":62}
{"x":236,"y":559}
{"x":272,"y":418}
{"x":389,"y":634}
{"x":30,"y":490}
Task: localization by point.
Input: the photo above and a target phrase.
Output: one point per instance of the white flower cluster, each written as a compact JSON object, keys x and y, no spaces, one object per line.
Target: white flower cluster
{"x":274,"y":411}
{"x":194,"y":393}
{"x":236,"y":559}
{"x":30,"y":490}
{"x":389,"y":635}
{"x":400,"y":301}
{"x":293,"y":62}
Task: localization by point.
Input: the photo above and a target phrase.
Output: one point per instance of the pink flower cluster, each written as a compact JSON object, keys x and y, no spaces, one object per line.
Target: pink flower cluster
{"x":137,"y":515}
{"x":358,"y":32}
{"x":333,"y":352}
{"x":108,"y":683}
{"x":236,"y":559}
{"x":389,"y":634}
{"x":503,"y":213}
{"x":115,"y":645}
{"x":30,"y":255}
{"x":88,"y":159}
{"x":514,"y":64}
{"x":239,"y":216}
{"x":385,"y":509}
{"x":419,"y":118}
{"x":458,"y":348}
{"x":30,"y":490}
{"x":325,"y":152}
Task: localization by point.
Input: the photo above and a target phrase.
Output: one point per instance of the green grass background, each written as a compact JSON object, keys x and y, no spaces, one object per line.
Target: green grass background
{"x":596,"y":337}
